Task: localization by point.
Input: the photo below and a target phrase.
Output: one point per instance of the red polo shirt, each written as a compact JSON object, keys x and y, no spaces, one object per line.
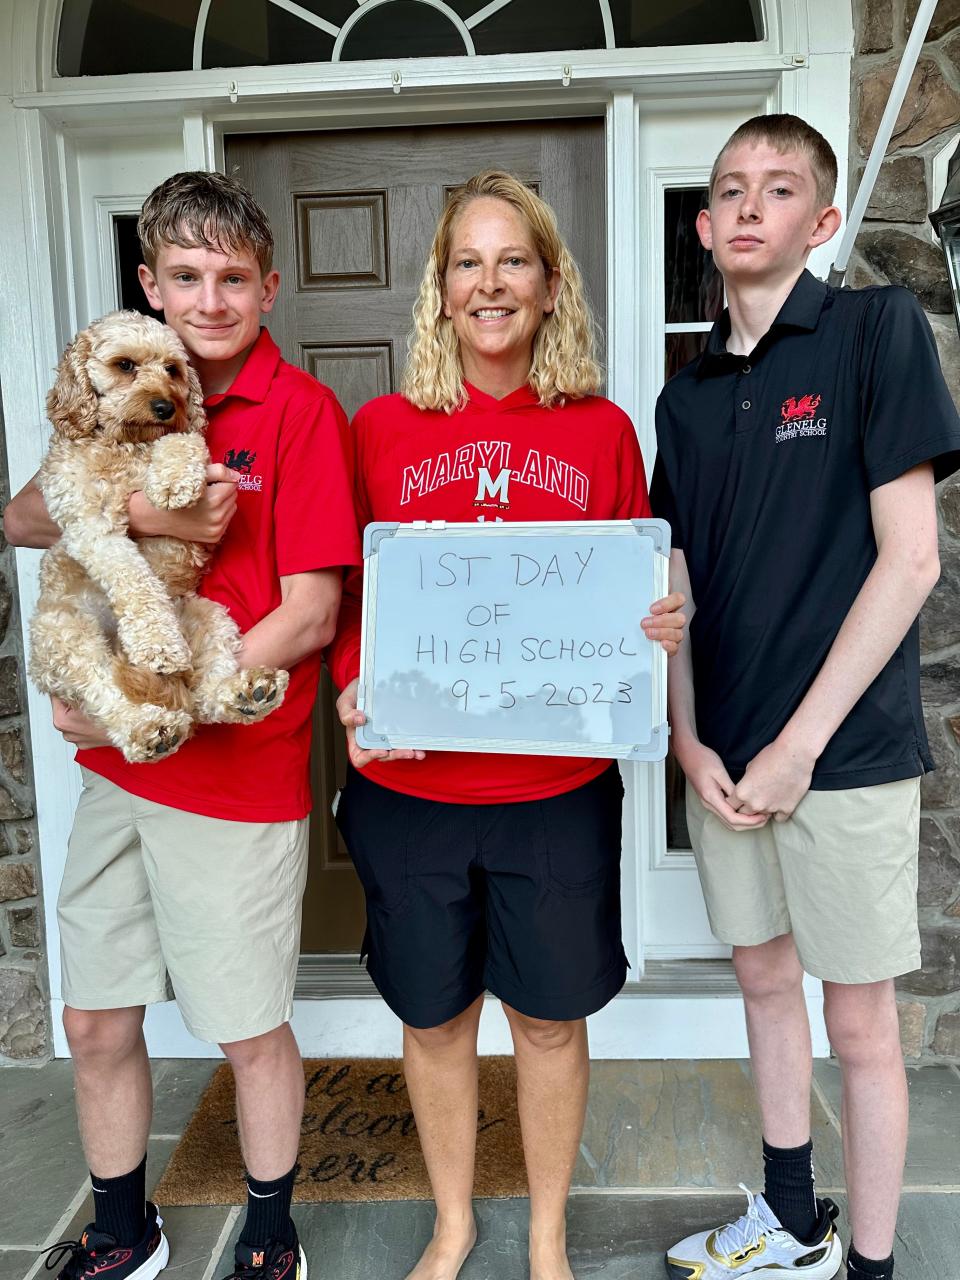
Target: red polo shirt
{"x":287,"y":438}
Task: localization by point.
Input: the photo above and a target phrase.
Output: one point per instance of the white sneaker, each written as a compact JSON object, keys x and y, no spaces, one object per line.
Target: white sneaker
{"x":756,"y":1245}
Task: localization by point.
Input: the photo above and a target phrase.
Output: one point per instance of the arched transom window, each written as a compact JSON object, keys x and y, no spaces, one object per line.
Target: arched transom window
{"x":110,"y":37}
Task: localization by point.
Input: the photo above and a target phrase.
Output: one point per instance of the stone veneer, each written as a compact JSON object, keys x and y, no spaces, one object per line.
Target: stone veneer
{"x":896,"y":246}
{"x":24,"y":999}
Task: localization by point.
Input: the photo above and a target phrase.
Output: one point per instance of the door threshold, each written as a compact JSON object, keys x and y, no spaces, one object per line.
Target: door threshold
{"x":342,"y":976}
{"x":680,"y":1009}
{"x":338,"y":976}
{"x":685,"y":978}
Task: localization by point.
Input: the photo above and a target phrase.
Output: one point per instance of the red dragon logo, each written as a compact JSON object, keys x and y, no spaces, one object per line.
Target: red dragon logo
{"x":794,"y":410}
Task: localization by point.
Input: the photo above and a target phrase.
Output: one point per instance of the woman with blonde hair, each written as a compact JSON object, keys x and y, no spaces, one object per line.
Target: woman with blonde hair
{"x":486,"y":872}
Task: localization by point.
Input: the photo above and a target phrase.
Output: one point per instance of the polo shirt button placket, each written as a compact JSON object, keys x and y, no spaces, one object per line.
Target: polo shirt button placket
{"x":745,"y":405}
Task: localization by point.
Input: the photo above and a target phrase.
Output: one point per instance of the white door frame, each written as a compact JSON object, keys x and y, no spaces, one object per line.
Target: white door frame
{"x":51,"y":285}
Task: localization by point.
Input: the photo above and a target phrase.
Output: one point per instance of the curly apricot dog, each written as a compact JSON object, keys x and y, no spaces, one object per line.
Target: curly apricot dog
{"x":119,"y":631}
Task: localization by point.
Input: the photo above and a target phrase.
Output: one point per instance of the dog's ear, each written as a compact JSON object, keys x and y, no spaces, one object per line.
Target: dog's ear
{"x":196,"y":417}
{"x":72,"y":402}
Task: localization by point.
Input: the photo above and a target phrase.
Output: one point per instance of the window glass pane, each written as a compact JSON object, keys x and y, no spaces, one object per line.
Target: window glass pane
{"x":694,"y":289}
{"x":678,"y":837}
{"x":252,"y":33}
{"x":404,"y":29}
{"x":127,"y":256}
{"x":640,"y":24}
{"x":520,"y":27}
{"x":681,"y":349}
{"x":693,"y":293}
{"x":111,"y":37}
{"x":104,"y":37}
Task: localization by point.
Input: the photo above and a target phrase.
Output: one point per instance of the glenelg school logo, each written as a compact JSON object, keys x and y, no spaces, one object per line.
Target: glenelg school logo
{"x":798,"y":418}
{"x":241,"y":461}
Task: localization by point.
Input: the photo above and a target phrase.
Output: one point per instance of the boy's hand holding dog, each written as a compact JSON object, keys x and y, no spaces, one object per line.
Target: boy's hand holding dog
{"x":206,"y":521}
{"x":27,"y":524}
{"x":79,"y":730}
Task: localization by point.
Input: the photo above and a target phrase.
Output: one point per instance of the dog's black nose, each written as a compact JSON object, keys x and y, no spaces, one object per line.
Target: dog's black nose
{"x":163,"y":409}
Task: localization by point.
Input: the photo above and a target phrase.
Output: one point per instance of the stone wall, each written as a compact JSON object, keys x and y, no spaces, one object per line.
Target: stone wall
{"x":24,"y":999}
{"x":896,"y":246}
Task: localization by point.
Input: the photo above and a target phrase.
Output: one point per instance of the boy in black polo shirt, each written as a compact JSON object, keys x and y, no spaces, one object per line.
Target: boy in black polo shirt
{"x":797,"y":461}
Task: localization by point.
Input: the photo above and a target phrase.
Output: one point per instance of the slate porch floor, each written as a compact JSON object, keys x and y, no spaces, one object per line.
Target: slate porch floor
{"x":665,"y":1145}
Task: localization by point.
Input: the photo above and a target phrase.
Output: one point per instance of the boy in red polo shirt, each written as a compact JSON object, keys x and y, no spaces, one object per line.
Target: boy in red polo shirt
{"x":185,"y":877}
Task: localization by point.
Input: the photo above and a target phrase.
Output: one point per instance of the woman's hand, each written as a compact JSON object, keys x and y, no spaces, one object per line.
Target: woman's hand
{"x":350,"y":717}
{"x":666,"y":622}
{"x":84,"y":733}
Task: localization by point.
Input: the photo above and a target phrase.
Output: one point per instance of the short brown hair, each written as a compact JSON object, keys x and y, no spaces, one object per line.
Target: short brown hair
{"x":205,"y":209}
{"x":787,"y":133}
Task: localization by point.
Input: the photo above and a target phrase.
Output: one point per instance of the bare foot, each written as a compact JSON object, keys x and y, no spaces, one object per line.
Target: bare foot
{"x":446,"y":1253}
{"x":549,"y":1262}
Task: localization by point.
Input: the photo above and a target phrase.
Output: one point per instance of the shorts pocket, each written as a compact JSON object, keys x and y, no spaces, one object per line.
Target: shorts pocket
{"x":582,"y":835}
{"x":375,"y":827}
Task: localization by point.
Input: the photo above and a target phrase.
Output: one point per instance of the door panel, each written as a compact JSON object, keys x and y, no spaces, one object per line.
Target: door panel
{"x":359,"y":373}
{"x":354,"y":214}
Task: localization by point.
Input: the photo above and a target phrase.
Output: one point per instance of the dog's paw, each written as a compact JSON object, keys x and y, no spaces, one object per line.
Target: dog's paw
{"x":149,"y":644}
{"x":250,"y":695}
{"x":177,"y":473}
{"x":156,"y":736}
{"x":173,"y":492}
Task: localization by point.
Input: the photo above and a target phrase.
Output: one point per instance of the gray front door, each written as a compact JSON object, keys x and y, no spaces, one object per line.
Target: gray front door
{"x":354,"y":213}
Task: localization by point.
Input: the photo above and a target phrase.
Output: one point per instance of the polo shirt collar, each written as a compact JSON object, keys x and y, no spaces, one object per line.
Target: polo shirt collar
{"x":253,"y":381}
{"x":801,"y":310}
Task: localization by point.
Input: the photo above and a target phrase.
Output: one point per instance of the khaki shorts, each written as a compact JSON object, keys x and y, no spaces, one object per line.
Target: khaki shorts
{"x":841,"y":875}
{"x":158,"y":904}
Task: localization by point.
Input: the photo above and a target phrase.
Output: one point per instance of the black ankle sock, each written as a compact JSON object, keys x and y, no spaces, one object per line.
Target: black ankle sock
{"x":788,"y":1187}
{"x":860,"y":1268}
{"x":120,"y":1204}
{"x":268,"y":1211}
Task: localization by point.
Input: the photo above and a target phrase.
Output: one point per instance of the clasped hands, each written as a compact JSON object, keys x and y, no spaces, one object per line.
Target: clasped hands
{"x":774,"y":783}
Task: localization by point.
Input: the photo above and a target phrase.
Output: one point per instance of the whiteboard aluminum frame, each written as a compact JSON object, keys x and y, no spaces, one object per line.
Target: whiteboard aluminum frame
{"x":374,"y":534}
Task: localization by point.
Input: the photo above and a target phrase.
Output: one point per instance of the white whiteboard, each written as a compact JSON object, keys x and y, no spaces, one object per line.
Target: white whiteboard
{"x":514,"y":637}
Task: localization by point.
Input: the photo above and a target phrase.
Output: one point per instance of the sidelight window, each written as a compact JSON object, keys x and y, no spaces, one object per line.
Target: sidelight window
{"x":693,"y":297}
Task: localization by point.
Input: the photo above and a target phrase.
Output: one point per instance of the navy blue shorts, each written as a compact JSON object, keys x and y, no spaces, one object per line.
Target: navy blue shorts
{"x":519,"y":899}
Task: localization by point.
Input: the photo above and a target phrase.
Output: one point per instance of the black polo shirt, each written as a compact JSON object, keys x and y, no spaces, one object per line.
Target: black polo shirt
{"x":764,"y":471}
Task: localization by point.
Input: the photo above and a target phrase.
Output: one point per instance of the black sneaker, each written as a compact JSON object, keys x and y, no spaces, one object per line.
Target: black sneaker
{"x":97,"y":1254}
{"x":275,"y":1261}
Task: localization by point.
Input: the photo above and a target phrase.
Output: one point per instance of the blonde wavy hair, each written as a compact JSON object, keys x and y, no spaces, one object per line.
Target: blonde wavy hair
{"x":564,"y":361}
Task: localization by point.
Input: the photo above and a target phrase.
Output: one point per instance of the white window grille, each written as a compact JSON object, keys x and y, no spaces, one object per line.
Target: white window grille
{"x":110,"y":37}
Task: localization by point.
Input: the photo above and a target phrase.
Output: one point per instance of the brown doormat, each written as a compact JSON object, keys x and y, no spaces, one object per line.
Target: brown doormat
{"x":359,"y":1140}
